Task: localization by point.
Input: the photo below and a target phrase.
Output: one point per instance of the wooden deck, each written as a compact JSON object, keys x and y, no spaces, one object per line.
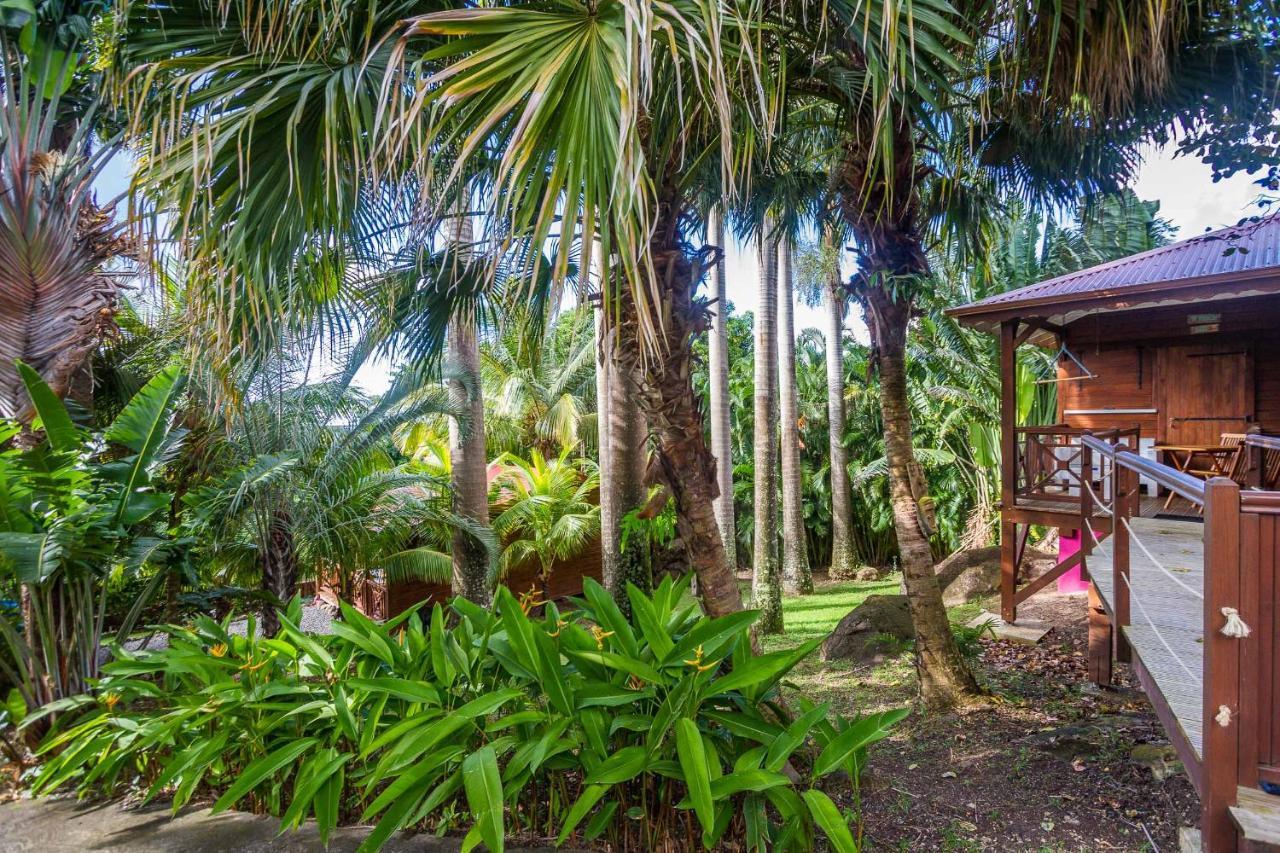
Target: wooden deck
{"x":1166,"y":631}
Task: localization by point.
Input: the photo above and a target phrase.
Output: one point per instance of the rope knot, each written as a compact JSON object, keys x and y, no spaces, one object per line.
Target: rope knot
{"x":1235,"y":626}
{"x":1223,"y":717}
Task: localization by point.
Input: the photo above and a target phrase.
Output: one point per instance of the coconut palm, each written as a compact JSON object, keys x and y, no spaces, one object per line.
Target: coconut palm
{"x":766,"y":579}
{"x":547,"y":512}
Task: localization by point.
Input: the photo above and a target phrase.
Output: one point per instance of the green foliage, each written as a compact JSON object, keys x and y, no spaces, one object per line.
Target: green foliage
{"x":493,"y":722}
{"x":75,"y":508}
{"x":546,"y":510}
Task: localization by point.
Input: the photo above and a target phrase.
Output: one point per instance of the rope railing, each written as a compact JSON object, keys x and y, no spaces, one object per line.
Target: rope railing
{"x":1155,"y":629}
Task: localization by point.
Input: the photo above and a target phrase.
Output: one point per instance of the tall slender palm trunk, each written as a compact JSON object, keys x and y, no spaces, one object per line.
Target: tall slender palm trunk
{"x":683,"y":462}
{"x":721,"y":437}
{"x":467,"y":452}
{"x":766,"y":581}
{"x":797,"y":576}
{"x":610,"y":530}
{"x":844,"y":556}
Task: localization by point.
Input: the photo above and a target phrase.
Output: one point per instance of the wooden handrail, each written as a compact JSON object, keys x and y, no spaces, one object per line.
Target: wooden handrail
{"x":1181,"y":484}
{"x":1267,"y":442}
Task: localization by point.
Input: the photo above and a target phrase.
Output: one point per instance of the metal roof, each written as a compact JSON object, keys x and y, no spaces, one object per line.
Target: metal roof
{"x":1239,"y":253}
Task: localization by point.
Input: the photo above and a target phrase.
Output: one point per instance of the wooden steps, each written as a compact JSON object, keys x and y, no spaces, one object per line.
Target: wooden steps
{"x":1257,"y":815}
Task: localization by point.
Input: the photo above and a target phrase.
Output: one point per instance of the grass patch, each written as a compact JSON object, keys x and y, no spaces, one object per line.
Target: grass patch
{"x":848,"y":686}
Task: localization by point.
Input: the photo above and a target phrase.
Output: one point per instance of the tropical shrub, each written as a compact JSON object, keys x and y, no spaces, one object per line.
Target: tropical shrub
{"x":77,"y":507}
{"x":664,"y":730}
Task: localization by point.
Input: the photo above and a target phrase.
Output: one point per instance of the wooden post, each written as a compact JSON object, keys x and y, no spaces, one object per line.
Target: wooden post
{"x":1221,"y":718}
{"x":1099,"y":638}
{"x":1086,"y":506}
{"x":1253,"y":476}
{"x":1008,"y":467}
{"x":1122,"y":479}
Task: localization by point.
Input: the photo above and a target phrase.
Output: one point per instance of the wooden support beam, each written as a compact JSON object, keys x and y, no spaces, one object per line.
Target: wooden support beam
{"x":1222,"y":658}
{"x":1099,"y":638}
{"x":1122,"y":505}
{"x":1008,"y":571}
{"x":1048,"y":577}
{"x":1008,"y":468}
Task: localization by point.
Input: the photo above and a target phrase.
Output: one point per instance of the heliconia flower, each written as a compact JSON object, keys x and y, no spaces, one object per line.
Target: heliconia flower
{"x":219,"y":650}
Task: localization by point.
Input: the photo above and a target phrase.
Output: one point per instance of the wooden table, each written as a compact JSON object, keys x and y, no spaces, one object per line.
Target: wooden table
{"x":1181,"y":455}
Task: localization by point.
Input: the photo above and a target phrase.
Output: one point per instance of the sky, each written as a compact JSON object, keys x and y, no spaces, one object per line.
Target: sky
{"x":1183,"y":186}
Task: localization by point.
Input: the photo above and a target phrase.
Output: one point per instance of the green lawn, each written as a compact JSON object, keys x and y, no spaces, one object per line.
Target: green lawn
{"x":848,"y":686}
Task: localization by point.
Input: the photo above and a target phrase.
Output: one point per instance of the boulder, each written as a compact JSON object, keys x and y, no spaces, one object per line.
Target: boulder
{"x":969,"y":575}
{"x":863,"y":632}
{"x":973,"y":574}
{"x":867,"y":574}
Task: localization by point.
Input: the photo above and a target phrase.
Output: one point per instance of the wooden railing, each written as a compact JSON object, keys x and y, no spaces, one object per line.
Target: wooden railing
{"x":1240,"y":673}
{"x":1053,"y":464}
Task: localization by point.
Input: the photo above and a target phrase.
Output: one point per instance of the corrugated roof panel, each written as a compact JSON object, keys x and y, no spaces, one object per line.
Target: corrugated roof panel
{"x":1257,"y":247}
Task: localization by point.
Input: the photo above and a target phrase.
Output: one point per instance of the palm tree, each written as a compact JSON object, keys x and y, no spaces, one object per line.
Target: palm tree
{"x":819,"y":282}
{"x":917,"y":156}
{"x":718,"y":367}
{"x":313,"y":487}
{"x":844,"y":558}
{"x":796,"y":574}
{"x":327,"y":106}
{"x":766,"y":580}
{"x":549,"y":513}
{"x":467,"y":453}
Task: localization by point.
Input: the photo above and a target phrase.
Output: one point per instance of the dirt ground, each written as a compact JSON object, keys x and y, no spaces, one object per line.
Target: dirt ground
{"x":1046,"y":765}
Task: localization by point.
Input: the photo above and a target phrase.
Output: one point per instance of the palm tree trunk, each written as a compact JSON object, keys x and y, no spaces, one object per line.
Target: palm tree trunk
{"x":944,"y":677}
{"x":721,"y":432}
{"x":467,"y":453}
{"x":610,"y":531}
{"x":883,"y":213}
{"x":797,"y":577}
{"x":844,"y":559}
{"x":766,"y":581}
{"x":279,"y":568}
{"x":628,"y":459}
{"x":682,"y":460}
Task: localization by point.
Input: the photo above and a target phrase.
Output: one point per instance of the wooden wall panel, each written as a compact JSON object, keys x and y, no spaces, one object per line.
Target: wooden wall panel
{"x":1124,"y":379}
{"x":1266,"y":373}
{"x":566,"y":580}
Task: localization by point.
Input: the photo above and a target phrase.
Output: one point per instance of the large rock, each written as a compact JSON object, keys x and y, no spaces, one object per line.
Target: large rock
{"x":970,"y":575}
{"x":862,"y":633}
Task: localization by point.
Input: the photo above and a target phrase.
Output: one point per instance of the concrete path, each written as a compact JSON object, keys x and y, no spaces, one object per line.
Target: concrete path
{"x":66,"y":826}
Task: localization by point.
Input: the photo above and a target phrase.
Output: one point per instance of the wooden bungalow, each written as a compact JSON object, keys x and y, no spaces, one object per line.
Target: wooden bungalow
{"x":1163,"y":466}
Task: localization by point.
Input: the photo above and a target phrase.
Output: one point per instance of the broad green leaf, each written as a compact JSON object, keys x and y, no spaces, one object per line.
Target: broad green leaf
{"x":58,"y":428}
{"x":260,"y":769}
{"x":623,"y":766}
{"x":827,"y":816}
{"x":580,"y":808}
{"x":861,"y":732}
{"x":760,"y":674}
{"x":484,"y":796}
{"x":746,"y":780}
{"x":697,"y":778}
